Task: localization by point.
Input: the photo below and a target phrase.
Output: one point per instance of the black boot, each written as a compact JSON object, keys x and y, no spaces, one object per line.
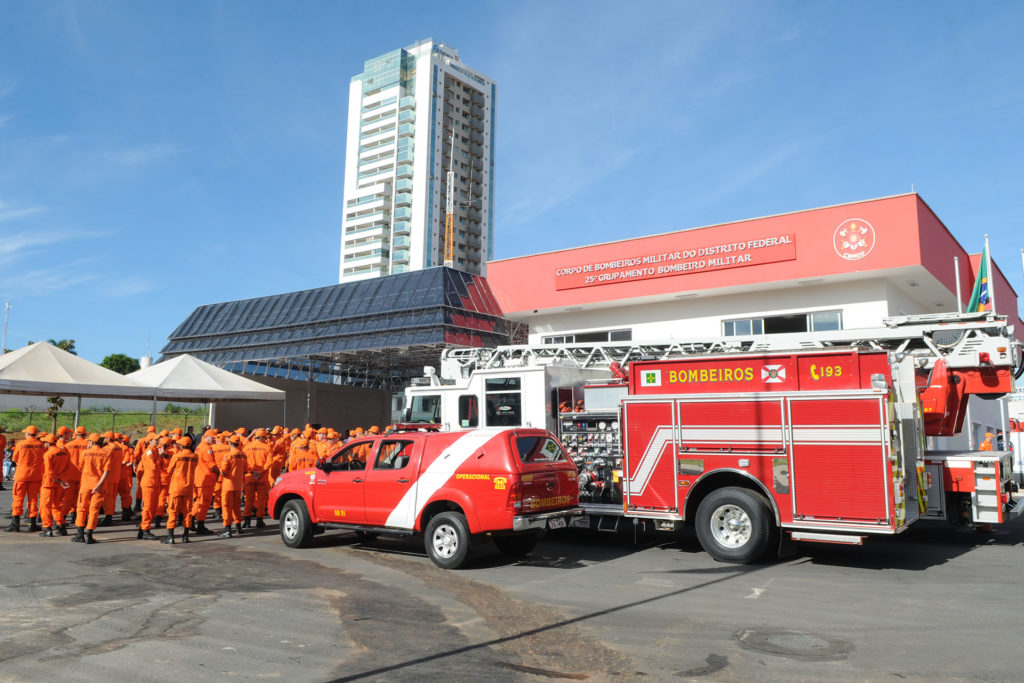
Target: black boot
{"x":260,"y":523}
{"x":107,"y":521}
{"x":126,"y":515}
{"x":225,"y":534}
{"x":246,"y":522}
{"x":62,"y":530}
{"x":33,"y":525}
{"x":88,"y":537}
{"x":148,"y":535}
{"x":238,"y":529}
{"x":79,"y":536}
{"x":184,"y":535}
{"x":15,"y":524}
{"x":138,"y":505}
{"x":138,"y":536}
{"x":201,"y":529}
{"x":169,"y":538}
{"x":48,"y":533}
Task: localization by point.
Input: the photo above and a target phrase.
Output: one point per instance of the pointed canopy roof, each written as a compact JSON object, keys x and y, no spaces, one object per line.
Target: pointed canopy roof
{"x":42,"y":369}
{"x":186,"y":378}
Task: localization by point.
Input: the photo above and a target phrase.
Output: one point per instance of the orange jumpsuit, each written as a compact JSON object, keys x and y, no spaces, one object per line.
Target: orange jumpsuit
{"x":233,"y":465}
{"x":165,"y":478}
{"x":182,"y":469}
{"x":278,"y":458}
{"x":113,"y":482}
{"x":56,"y":463}
{"x":206,"y":479}
{"x":258,"y":456}
{"x":73,"y":475}
{"x":300,"y":459}
{"x":28,"y":477}
{"x":150,"y":472}
{"x":95,"y":462}
{"x":220,"y":449}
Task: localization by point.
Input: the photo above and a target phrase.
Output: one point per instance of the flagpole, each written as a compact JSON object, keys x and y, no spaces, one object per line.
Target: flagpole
{"x":991,"y":277}
{"x":956,"y":268}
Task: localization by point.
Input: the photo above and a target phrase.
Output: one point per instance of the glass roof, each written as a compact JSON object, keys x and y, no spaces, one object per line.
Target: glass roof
{"x":396,"y":323}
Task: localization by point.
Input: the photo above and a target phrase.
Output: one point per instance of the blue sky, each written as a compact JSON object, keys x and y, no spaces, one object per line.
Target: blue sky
{"x":155,"y":157}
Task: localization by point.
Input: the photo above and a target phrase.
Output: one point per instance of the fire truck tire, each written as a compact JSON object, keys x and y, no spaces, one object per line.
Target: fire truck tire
{"x":734,"y":524}
{"x":296,"y":530}
{"x":447,"y":540}
{"x":516,"y":546}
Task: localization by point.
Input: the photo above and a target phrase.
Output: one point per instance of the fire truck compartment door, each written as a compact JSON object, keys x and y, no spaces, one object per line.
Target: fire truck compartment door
{"x":649,"y":462}
{"x":840,"y":471}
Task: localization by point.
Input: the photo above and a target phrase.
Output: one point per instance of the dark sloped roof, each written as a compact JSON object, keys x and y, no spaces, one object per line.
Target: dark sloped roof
{"x":397,"y":321}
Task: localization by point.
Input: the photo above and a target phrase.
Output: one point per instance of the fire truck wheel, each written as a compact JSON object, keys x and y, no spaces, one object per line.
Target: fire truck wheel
{"x":516,"y":546}
{"x":296,"y":531}
{"x":734,"y":525}
{"x":447,"y":540}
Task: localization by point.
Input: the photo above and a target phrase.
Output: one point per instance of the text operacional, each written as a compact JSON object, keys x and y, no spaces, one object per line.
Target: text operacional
{"x":712,"y":257}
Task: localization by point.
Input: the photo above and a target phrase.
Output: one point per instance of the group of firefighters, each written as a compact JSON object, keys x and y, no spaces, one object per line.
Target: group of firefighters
{"x":71,"y":477}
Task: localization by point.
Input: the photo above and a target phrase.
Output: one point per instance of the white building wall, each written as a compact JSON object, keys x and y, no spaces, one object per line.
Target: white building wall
{"x":862,"y":303}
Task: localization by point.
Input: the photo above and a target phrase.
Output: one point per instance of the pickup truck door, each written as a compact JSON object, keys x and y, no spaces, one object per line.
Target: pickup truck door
{"x":389,"y":478}
{"x":338,"y":492}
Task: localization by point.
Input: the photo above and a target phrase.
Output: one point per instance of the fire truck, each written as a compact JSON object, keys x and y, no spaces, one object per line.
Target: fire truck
{"x":817,"y":436}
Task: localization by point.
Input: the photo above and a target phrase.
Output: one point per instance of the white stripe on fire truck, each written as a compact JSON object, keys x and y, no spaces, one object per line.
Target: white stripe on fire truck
{"x":737,"y":434}
{"x":435,"y":476}
{"x":652,"y":455}
{"x":837,"y":434}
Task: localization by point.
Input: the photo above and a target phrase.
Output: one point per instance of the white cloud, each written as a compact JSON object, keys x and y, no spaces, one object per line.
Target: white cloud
{"x":129,"y":286}
{"x":143,"y":155}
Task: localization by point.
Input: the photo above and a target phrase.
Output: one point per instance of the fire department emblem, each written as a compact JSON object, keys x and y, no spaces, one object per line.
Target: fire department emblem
{"x":773,"y":374}
{"x":651,"y":378}
{"x":854,"y":239}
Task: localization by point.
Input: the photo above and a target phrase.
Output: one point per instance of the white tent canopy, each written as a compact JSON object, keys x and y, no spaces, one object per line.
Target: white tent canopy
{"x":186,"y":378}
{"x":41,"y":369}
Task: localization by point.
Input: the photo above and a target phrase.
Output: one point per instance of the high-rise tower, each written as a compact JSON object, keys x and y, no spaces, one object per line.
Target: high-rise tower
{"x":402,"y":112}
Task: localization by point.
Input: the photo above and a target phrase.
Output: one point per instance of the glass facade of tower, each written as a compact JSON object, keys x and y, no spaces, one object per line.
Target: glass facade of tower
{"x":407,"y":111}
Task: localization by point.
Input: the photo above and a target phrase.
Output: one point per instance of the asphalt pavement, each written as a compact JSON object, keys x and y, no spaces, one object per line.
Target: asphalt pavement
{"x":935,"y":603}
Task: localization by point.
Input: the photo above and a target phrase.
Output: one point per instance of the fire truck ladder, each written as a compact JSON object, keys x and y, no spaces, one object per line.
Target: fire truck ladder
{"x":958,"y":338}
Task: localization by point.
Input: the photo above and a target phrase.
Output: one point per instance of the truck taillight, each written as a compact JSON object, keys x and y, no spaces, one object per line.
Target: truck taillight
{"x":515,"y":498}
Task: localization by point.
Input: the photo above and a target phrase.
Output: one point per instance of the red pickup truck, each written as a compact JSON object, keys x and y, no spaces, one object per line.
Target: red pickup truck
{"x":450,"y":486}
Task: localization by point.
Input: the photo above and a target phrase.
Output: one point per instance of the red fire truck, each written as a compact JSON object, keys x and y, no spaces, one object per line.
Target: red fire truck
{"x":819,"y":437}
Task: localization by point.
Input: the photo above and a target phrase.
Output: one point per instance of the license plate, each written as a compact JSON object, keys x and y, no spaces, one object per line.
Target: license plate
{"x":556,"y":523}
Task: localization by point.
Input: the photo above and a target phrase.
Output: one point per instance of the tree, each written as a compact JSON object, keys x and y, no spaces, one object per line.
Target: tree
{"x":56,"y":403}
{"x":64,"y":345}
{"x":120,"y":363}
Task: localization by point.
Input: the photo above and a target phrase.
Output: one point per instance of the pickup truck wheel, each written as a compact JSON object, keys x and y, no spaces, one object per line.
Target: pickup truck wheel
{"x":516,"y":546}
{"x":296,"y":531}
{"x":734,"y":525}
{"x":447,"y":540}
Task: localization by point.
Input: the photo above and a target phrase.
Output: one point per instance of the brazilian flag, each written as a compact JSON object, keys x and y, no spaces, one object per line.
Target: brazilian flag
{"x":980,"y":297}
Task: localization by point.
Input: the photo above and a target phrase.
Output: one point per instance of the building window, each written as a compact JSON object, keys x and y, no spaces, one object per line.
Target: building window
{"x":590,"y":337}
{"x":818,"y":321}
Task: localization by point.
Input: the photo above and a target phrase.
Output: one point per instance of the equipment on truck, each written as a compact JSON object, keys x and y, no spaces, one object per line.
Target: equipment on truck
{"x":818,"y":435}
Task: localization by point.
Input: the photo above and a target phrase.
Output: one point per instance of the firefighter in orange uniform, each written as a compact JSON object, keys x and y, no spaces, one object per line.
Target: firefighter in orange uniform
{"x":301,"y":457}
{"x":97,"y":463}
{"x":113,"y":480}
{"x":28,"y":478}
{"x":74,"y":473}
{"x":278,"y":454}
{"x":233,"y":465}
{"x":124,"y":487}
{"x":206,"y":479}
{"x":182,"y":468}
{"x":140,"y":448}
{"x":150,"y":469}
{"x":169,"y":447}
{"x":258,"y":455}
{"x":56,"y":461}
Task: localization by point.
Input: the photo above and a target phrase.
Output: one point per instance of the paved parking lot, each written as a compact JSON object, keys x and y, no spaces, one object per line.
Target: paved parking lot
{"x":937,"y":602}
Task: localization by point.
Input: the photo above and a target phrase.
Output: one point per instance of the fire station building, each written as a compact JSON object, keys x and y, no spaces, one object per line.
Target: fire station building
{"x":839,"y":267}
